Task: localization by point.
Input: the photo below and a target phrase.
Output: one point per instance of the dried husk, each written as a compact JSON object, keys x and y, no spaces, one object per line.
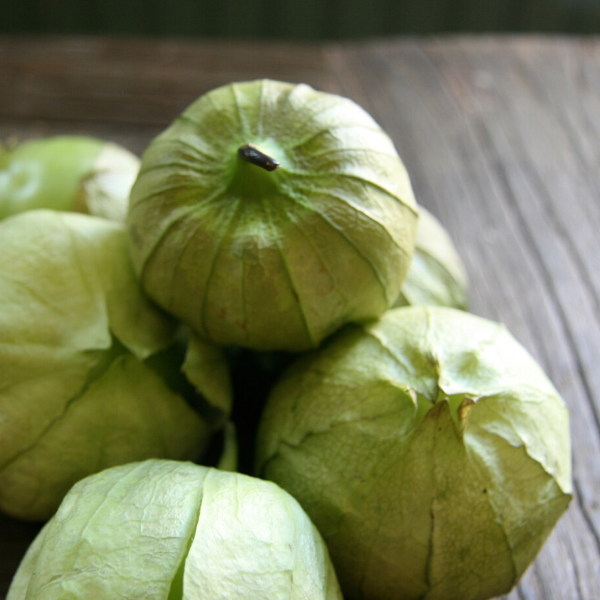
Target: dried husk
{"x":272,"y":260}
{"x":78,"y":390}
{"x":429,"y":449}
{"x":437,"y":275}
{"x":67,"y":172}
{"x":166,"y":530}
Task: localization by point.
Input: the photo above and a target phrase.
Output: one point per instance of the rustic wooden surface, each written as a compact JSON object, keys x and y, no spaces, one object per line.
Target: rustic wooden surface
{"x":502,"y":139}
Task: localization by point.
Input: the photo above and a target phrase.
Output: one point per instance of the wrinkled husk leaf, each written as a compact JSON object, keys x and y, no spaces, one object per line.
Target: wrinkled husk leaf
{"x":166,"y":530}
{"x":78,"y":392}
{"x":207,"y":369}
{"x":72,"y":173}
{"x":230,"y":455}
{"x":272,"y":260}
{"x":429,"y":449}
{"x":437,"y":276}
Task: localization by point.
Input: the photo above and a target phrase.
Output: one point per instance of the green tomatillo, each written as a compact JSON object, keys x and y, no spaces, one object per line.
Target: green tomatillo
{"x":429,"y":449}
{"x":89,"y":366}
{"x":437,"y":276}
{"x":166,"y":530}
{"x":70,"y":172}
{"x":269,"y":214}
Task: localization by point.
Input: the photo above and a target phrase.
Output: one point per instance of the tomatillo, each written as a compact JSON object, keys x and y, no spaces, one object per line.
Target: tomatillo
{"x":429,"y":449}
{"x":437,"y":275}
{"x":167,"y":530}
{"x":67,"y":172}
{"x":269,"y":214}
{"x":89,"y":366}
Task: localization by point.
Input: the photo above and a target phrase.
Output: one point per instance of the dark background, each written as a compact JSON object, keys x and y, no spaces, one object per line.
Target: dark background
{"x":296,"y":20}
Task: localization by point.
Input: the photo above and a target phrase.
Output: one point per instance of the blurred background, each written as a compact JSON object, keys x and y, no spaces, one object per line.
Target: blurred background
{"x":296,"y":20}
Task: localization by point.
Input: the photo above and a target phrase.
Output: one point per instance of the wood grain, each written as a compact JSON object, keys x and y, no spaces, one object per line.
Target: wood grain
{"x":502,"y":144}
{"x":501,"y":137}
{"x":135,"y":82}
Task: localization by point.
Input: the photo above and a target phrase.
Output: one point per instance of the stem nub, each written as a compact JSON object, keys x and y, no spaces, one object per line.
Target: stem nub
{"x":250,"y":153}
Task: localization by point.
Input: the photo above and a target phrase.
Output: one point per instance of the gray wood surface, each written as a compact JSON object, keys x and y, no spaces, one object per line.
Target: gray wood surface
{"x":501,"y":137}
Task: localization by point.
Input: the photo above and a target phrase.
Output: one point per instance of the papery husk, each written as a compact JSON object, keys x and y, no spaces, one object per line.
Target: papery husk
{"x":429,"y":449}
{"x":166,"y":530}
{"x":437,"y":275}
{"x":68,"y":172}
{"x":78,"y":392}
{"x":272,"y":260}
{"x":104,"y":191}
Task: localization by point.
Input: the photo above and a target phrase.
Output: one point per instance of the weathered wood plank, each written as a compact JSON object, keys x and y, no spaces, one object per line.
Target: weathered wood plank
{"x":499,"y":140}
{"x":135,"y":82}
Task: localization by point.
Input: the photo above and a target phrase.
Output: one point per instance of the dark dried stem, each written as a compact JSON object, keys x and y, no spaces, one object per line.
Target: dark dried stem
{"x":250,"y":153}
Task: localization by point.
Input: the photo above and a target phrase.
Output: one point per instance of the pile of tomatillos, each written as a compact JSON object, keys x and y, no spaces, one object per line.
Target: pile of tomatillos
{"x":243,"y":368}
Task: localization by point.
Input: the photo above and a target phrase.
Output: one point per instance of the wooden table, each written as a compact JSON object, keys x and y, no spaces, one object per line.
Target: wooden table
{"x":502,"y":139}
